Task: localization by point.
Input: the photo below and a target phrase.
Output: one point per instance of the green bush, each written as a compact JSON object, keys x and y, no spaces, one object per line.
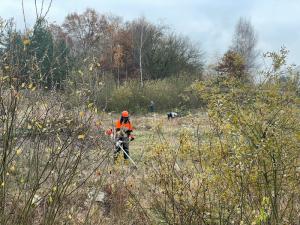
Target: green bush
{"x":121,"y":98}
{"x":173,"y":93}
{"x":167,"y":94}
{"x":243,"y":170}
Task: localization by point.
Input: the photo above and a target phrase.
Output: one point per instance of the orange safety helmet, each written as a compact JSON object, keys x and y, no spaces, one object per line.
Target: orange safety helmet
{"x":125,"y":114}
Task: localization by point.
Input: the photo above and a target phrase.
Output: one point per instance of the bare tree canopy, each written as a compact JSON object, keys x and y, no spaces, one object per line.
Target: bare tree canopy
{"x":244,"y":42}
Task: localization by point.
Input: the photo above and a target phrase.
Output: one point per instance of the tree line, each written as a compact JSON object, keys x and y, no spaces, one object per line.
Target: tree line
{"x":126,"y":50}
{"x":108,"y":60}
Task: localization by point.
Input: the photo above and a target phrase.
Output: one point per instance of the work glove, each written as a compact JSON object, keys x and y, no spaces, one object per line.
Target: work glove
{"x":109,"y":132}
{"x":118,"y":143}
{"x":131,"y":137}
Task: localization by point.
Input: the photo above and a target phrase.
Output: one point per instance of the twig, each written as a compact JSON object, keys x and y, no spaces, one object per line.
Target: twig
{"x":24,"y":18}
{"x":49,"y":6}
{"x":36,"y":11}
{"x":42,"y":7}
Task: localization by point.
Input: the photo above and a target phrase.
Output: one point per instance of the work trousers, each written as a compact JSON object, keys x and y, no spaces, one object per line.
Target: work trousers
{"x":124,"y":145}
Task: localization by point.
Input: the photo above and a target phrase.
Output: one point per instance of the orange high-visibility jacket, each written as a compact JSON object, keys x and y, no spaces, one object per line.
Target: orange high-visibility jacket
{"x":119,"y":125}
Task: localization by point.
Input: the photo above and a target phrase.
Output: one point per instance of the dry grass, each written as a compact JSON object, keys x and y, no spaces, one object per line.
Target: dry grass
{"x":155,"y":128}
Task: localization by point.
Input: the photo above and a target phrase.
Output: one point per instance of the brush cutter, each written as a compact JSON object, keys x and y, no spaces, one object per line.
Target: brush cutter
{"x":119,"y":145}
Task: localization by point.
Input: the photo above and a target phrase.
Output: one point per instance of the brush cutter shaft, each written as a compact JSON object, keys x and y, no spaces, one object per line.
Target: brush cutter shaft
{"x":118,"y":144}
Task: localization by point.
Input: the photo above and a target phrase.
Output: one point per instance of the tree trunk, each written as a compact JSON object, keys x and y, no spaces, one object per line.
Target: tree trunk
{"x":141,"y":68}
{"x":118,"y":77}
{"x":126,"y":74}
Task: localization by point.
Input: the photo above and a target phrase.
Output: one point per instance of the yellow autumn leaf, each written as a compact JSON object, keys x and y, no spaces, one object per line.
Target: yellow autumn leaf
{"x":12,"y":168}
{"x":26,"y":42}
{"x":227,"y":126}
{"x":81,"y":114}
{"x":3,"y":78}
{"x":38,"y":125}
{"x":59,"y":139}
{"x":91,"y":67}
{"x":18,"y":151}
{"x":81,"y":136}
{"x":98,"y":123}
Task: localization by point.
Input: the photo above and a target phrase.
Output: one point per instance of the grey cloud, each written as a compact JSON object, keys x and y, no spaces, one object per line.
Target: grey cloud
{"x":208,"y":22}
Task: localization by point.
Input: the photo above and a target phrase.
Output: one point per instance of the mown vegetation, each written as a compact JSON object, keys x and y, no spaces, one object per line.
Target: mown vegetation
{"x":233,"y":158}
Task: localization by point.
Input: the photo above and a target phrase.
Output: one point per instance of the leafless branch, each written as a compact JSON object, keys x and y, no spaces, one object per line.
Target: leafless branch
{"x":42,"y":7}
{"x":24,"y":17}
{"x":36,"y":11}
{"x":48,"y":9}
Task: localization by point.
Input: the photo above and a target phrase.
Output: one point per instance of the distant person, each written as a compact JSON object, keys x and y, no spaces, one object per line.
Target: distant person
{"x":151,"y":106}
{"x":172,"y":115}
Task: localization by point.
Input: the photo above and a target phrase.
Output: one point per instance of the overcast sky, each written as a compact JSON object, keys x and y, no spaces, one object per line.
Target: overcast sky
{"x":207,"y":22}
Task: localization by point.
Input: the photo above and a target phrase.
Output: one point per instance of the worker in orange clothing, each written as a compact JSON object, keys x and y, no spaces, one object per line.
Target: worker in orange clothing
{"x":123,"y":134}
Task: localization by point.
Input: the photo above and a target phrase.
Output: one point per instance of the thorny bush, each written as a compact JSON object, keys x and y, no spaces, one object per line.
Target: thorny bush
{"x":245,"y":170}
{"x":44,"y":151}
